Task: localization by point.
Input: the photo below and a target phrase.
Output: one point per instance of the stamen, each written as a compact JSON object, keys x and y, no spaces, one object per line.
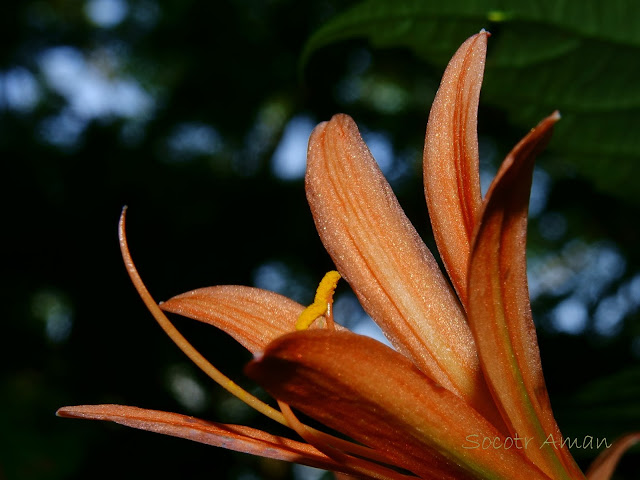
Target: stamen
{"x":321,"y":304}
{"x":182,"y":343}
{"x":221,"y":379}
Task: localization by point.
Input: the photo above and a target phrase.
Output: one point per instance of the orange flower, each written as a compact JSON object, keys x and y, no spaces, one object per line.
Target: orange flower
{"x":463,"y":395}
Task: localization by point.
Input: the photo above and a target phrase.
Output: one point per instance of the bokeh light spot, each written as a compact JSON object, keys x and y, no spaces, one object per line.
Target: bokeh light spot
{"x":290,"y":157}
{"x":106,"y":13}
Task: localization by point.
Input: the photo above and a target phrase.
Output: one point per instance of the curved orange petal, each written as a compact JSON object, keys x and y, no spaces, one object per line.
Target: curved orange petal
{"x":451,"y":175}
{"x":252,"y":316}
{"x":232,"y":437}
{"x":500,"y":313}
{"x":377,"y":396}
{"x":603,"y":466}
{"x":378,"y":251}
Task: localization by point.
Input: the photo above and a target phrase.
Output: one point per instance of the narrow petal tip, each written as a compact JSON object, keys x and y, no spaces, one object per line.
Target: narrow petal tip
{"x":451,"y":158}
{"x":77,"y":411}
{"x":61,"y":412}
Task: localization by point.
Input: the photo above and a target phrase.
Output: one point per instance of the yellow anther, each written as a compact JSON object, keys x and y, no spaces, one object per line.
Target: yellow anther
{"x":322,"y":302}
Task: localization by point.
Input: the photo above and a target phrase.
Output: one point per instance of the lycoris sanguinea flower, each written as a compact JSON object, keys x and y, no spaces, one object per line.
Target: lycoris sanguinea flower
{"x":466,"y":366}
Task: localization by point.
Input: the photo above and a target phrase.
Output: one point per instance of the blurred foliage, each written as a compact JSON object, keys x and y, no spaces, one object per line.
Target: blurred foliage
{"x":581,"y":57}
{"x":180,"y":110}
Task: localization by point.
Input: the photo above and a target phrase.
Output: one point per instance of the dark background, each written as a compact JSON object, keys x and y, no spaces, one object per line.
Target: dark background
{"x":183,"y":111}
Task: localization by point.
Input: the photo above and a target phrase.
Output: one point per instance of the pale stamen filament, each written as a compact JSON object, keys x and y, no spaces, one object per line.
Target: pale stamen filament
{"x":329,"y":316}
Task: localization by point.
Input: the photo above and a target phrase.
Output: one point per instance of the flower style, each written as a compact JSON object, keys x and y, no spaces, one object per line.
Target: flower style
{"x":466,"y":365}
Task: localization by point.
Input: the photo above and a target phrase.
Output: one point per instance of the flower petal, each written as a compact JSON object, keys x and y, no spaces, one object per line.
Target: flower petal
{"x":499,"y":309}
{"x":603,"y":466}
{"x":232,"y":437}
{"x":451,"y":176}
{"x":252,"y":316}
{"x":377,"y":396}
{"x":378,"y":251}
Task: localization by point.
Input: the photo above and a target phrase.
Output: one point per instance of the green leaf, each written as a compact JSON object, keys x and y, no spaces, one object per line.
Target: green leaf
{"x":605,"y":408}
{"x":579,"y":56}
